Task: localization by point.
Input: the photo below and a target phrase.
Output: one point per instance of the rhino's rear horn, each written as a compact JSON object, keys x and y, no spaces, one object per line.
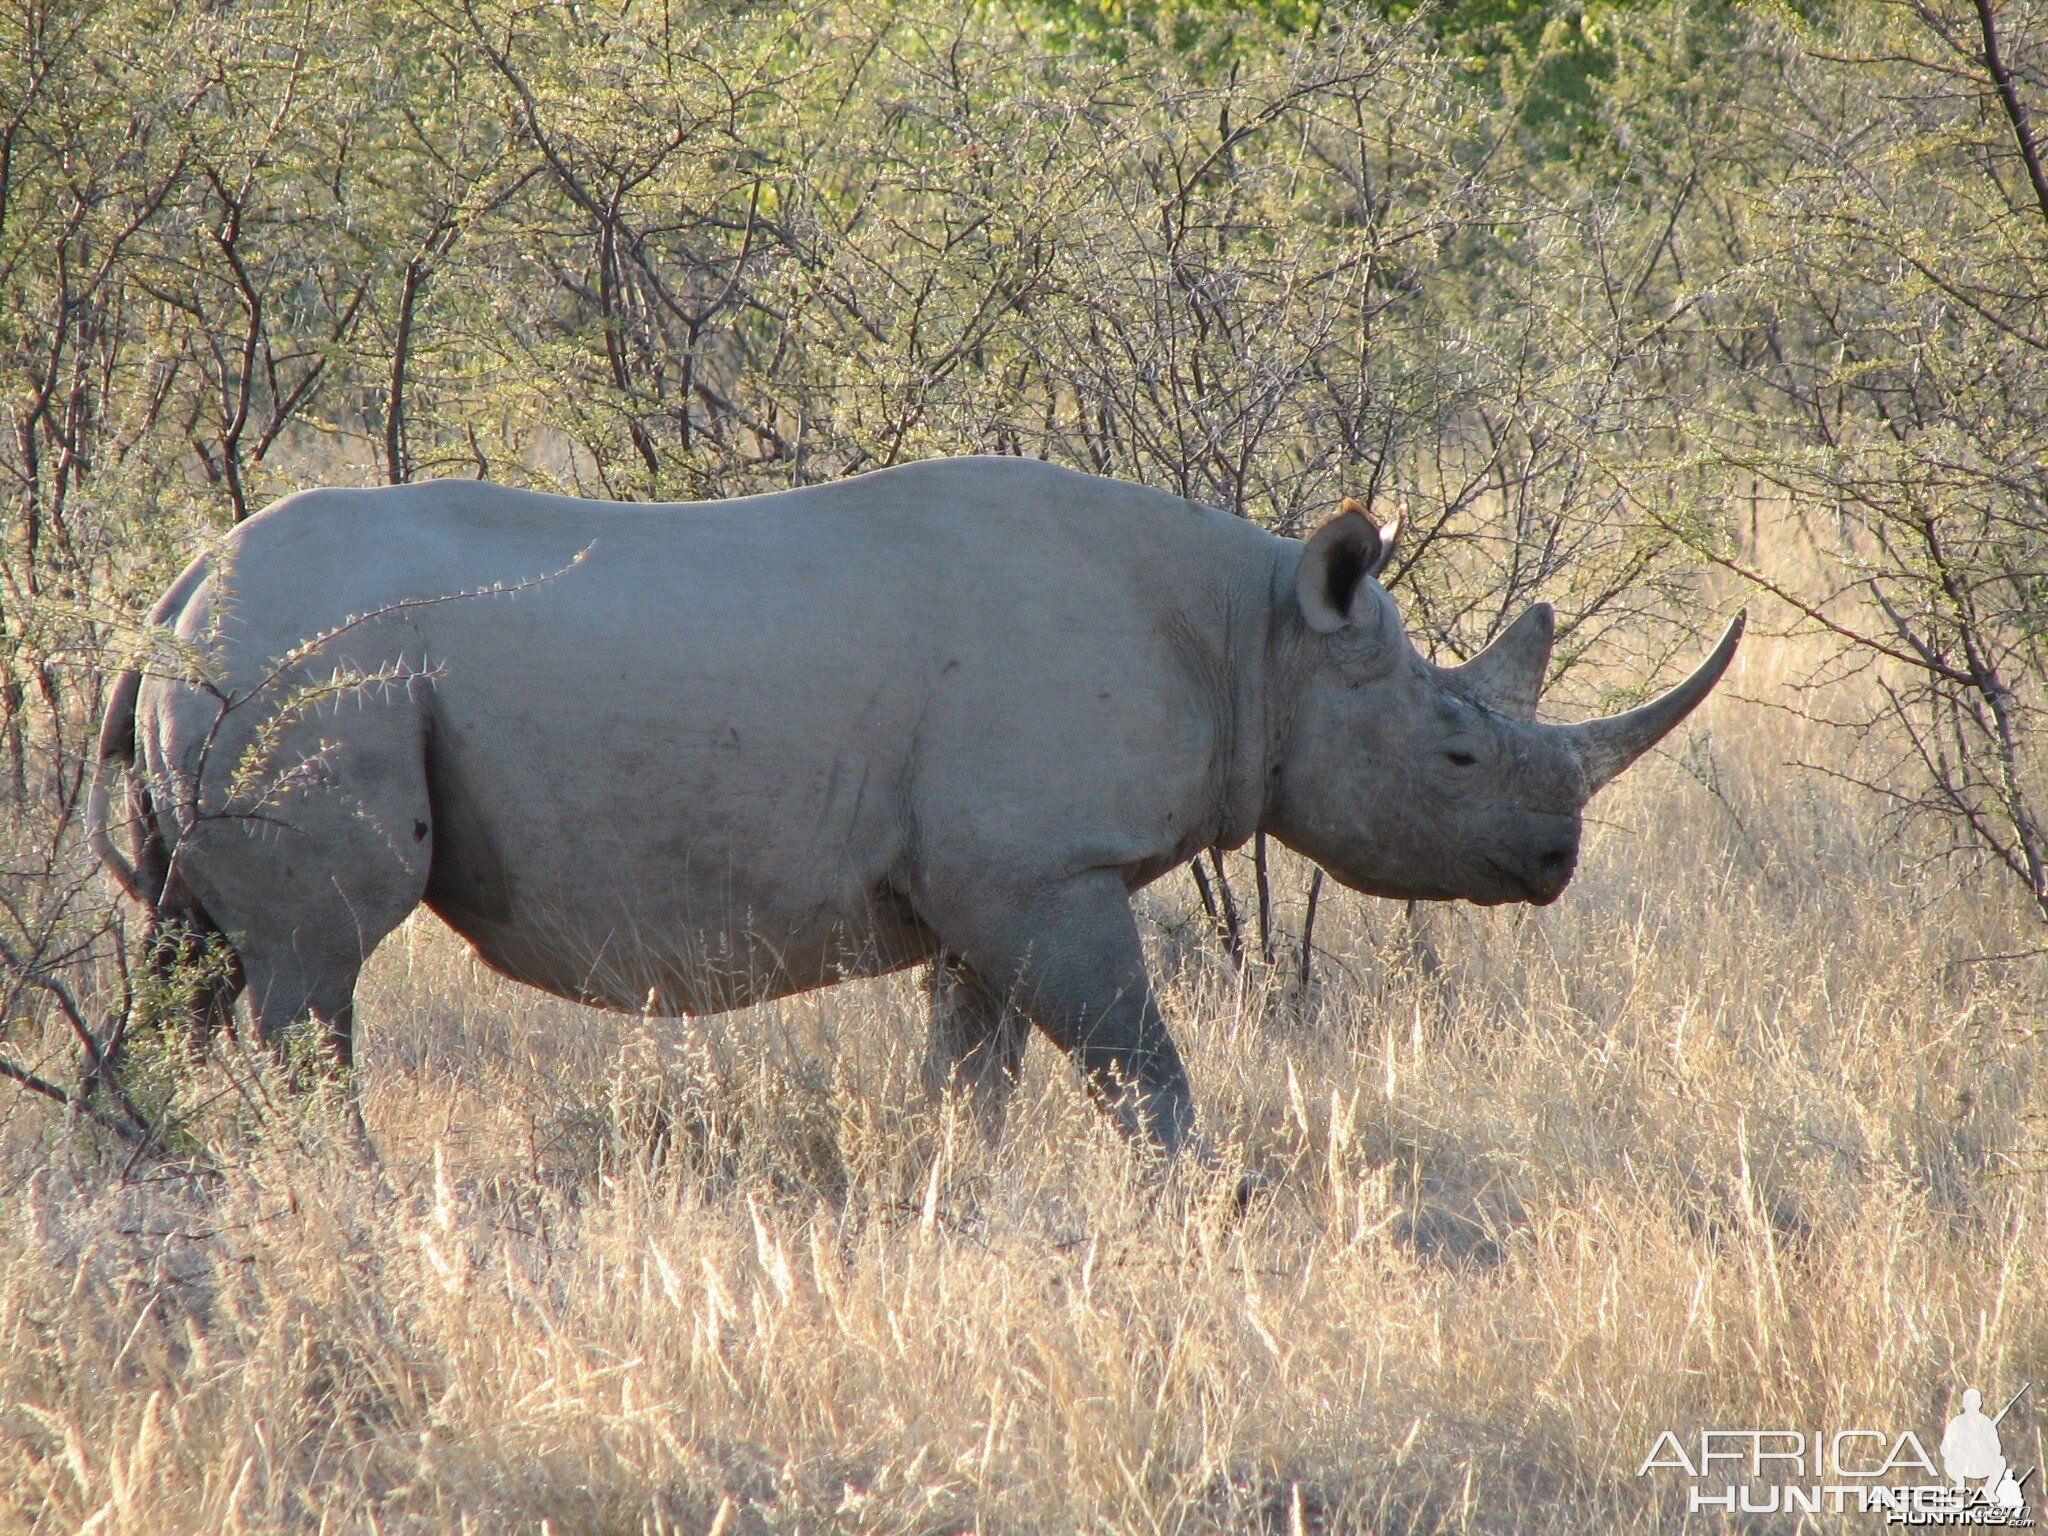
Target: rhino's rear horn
{"x":1605,"y":747}
{"x":1508,"y":675}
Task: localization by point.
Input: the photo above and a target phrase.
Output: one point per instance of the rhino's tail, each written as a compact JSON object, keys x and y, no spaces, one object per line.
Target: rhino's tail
{"x":143,"y":878}
{"x":117,"y":746}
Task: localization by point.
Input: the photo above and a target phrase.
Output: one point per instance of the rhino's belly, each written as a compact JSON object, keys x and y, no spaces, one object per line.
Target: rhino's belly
{"x":672,"y":963}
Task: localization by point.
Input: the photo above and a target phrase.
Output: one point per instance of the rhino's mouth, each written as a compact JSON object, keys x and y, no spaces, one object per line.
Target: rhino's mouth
{"x":1510,"y":886}
{"x":1539,"y":892}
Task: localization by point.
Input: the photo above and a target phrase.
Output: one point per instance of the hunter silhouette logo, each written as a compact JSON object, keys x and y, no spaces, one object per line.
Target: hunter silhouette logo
{"x":1814,"y":1471}
{"x":1971,"y":1452}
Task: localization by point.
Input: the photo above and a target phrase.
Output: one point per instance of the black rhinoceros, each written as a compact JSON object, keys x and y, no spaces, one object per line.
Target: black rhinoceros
{"x":690,"y":757}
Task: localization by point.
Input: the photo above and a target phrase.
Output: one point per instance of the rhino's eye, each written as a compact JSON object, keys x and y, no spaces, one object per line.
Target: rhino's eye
{"x":1461,"y":758}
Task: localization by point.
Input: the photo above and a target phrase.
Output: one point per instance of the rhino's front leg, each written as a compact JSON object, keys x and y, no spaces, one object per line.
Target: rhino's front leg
{"x":978,"y":1035}
{"x":1071,"y":954}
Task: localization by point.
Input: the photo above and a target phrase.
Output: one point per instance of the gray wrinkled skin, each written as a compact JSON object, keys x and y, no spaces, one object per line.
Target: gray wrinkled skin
{"x":706,"y":755}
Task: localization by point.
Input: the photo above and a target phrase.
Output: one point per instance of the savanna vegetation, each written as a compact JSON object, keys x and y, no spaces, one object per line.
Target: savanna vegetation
{"x":1645,"y":310}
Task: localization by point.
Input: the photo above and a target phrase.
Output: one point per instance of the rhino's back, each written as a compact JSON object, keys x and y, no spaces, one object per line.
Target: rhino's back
{"x":912,"y":548}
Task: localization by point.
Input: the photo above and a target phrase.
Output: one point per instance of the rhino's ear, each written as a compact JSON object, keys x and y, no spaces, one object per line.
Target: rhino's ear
{"x":1338,"y":559}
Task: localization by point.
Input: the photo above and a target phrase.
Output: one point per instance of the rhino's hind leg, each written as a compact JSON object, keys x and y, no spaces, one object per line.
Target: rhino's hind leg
{"x":300,"y":958}
{"x":309,"y":886}
{"x":978,"y":1035}
{"x":288,"y":986}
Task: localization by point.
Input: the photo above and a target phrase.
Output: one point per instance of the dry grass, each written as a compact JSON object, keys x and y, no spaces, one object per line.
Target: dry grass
{"x":1723,"y":1139}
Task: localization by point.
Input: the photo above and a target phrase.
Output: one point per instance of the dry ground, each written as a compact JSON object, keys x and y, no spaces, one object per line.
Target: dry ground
{"x":1725,"y":1138}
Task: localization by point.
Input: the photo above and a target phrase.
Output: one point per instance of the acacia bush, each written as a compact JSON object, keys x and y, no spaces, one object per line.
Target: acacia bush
{"x":1883,"y":330}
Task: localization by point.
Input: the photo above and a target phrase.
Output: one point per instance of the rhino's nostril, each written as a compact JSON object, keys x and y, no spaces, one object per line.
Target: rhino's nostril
{"x":1557,"y":860}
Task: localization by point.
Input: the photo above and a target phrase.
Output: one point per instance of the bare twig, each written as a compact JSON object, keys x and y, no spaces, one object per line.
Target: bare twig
{"x":2015,"y":109}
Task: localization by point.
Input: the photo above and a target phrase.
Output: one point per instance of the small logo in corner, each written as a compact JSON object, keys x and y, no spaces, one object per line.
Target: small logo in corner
{"x":1799,"y":1471}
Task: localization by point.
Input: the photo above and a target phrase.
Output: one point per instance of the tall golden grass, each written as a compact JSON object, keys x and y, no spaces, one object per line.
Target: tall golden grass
{"x":1739,"y":1133}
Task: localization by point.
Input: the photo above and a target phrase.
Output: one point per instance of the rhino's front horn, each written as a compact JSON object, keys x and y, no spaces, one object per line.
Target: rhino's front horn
{"x":1508,"y":674}
{"x":1605,"y":747}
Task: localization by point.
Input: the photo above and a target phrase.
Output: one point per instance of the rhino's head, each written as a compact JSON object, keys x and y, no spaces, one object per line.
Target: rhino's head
{"x":1406,"y":779}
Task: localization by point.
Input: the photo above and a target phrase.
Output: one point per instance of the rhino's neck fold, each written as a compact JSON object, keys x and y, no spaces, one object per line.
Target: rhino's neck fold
{"x":1224,"y":638}
{"x":1241,"y":805}
{"x":1264,"y":676}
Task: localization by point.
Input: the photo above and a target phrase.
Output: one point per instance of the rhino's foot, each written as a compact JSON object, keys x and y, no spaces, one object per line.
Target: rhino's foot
{"x":1197,"y":1188}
